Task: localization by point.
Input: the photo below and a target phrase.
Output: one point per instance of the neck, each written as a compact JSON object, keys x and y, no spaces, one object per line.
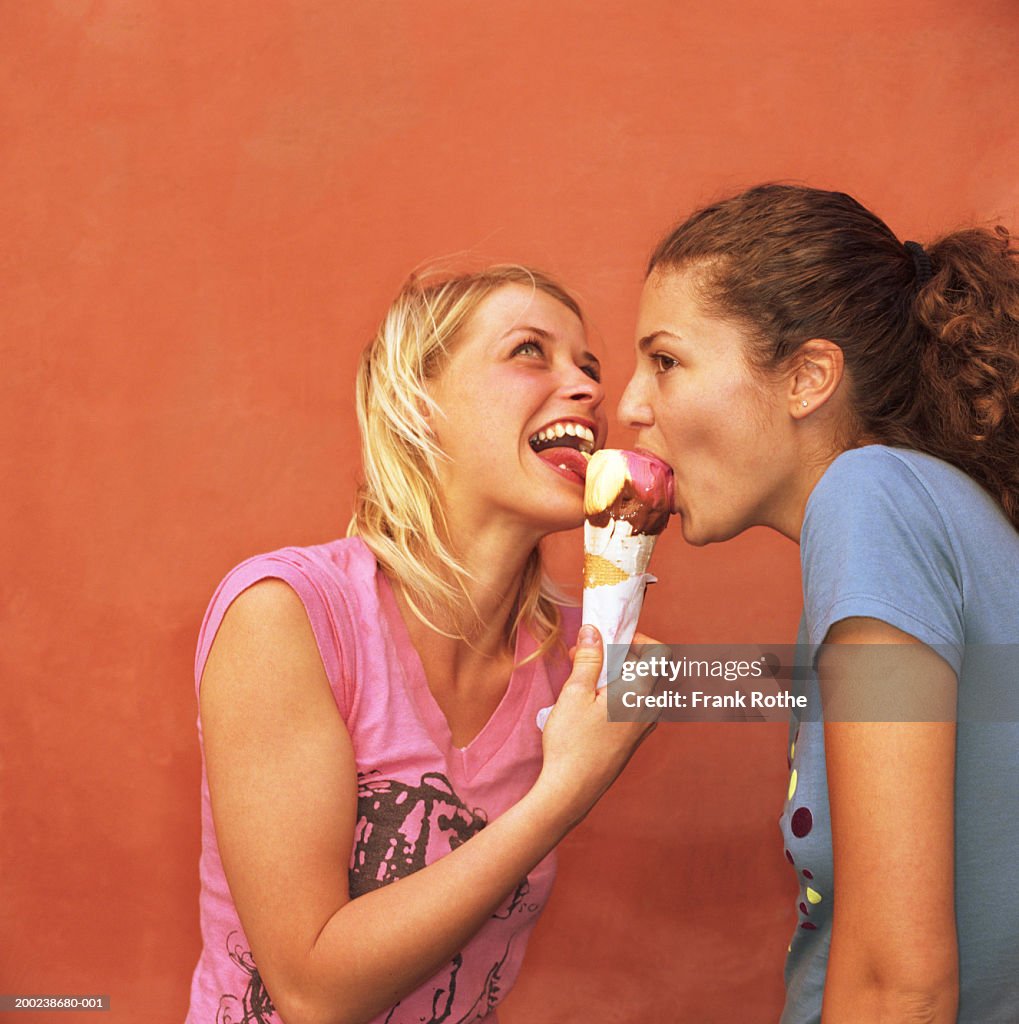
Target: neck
{"x":789,"y":518}
{"x":494,"y":559}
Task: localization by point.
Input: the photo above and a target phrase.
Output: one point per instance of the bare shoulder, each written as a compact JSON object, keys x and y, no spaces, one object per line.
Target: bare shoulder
{"x":264,"y":660}
{"x":266,"y":706}
{"x":269,"y":717}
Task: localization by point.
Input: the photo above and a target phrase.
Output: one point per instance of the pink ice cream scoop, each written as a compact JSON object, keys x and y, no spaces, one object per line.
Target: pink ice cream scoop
{"x":633,"y":487}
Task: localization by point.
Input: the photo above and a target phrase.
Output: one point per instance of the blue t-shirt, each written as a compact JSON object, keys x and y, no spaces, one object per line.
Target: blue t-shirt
{"x":896,"y":535}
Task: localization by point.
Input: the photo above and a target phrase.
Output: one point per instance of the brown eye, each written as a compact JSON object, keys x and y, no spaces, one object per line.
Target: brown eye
{"x":593,"y":371}
{"x":664,"y":362}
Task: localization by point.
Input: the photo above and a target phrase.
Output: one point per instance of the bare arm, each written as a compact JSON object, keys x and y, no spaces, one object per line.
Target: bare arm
{"x":894,"y":952}
{"x":282,"y":779}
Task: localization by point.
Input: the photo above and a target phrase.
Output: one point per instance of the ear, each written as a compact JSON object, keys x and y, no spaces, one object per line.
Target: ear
{"x":818,"y":368}
{"x":424,"y":409}
{"x":427,"y":412}
{"x":429,"y":406}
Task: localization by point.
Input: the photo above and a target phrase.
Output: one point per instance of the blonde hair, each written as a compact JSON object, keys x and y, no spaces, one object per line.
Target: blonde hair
{"x":395,"y":512}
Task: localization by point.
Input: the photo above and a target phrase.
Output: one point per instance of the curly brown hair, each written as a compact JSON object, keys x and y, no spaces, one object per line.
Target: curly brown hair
{"x":932,"y":364}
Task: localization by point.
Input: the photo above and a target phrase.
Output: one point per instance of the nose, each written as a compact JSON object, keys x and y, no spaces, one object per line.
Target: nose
{"x":579,"y":387}
{"x":634,"y":409}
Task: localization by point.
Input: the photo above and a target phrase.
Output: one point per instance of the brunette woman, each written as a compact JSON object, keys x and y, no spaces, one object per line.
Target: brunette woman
{"x":802,"y":368}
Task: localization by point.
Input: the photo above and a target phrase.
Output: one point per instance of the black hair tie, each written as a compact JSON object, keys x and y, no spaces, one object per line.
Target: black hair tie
{"x":921,"y":261}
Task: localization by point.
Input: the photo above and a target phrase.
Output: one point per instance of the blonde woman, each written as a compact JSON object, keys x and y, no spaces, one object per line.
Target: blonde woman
{"x":379,"y":809}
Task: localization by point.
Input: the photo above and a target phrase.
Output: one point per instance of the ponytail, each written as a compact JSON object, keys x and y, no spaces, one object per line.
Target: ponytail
{"x":969,"y":370}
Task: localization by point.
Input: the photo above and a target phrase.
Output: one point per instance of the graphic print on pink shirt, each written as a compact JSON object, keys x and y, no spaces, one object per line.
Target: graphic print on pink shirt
{"x":397,"y":825}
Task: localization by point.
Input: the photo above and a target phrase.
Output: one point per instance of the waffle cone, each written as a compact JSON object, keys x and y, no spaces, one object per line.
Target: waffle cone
{"x":600,"y":572}
{"x":616,"y":545}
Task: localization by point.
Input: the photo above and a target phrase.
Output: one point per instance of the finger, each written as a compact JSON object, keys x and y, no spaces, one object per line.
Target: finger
{"x":588,"y":657}
{"x":647,"y":649}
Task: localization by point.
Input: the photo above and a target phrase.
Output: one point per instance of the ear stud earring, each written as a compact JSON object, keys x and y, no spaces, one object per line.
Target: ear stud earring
{"x":804,"y":403}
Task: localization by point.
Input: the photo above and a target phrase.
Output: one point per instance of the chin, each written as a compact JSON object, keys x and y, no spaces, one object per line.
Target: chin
{"x":564,"y":527}
{"x":549,"y":515}
{"x":560,"y":524}
{"x":695,"y":539}
{"x":699,"y":537}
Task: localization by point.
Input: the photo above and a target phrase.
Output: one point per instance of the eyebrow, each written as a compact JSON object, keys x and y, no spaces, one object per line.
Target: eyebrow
{"x":547,"y":335}
{"x":648,"y":340}
{"x":524,"y":329}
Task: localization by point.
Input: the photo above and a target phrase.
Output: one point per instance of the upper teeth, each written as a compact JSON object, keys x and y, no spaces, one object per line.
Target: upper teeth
{"x":564,"y":427}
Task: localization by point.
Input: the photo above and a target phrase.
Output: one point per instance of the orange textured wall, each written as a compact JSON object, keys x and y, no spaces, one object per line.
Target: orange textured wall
{"x":206,"y":207}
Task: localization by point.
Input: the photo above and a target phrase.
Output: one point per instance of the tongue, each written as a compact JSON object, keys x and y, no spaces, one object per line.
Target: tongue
{"x":568,"y":457}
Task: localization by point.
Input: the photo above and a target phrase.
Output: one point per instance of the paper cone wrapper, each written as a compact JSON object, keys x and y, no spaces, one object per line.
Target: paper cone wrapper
{"x":614,"y":610}
{"x":614,"y":583}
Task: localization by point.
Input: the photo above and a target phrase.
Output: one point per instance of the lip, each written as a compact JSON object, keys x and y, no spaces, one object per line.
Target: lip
{"x":651,"y":455}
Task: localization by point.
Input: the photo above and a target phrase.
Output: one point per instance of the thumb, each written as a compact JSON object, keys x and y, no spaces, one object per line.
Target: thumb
{"x":587,"y":661}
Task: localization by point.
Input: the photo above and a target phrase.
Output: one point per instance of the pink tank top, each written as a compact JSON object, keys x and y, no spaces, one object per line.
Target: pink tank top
{"x":418,"y":795}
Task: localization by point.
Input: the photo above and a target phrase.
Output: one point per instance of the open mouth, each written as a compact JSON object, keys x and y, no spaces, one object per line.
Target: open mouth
{"x":565,"y":446}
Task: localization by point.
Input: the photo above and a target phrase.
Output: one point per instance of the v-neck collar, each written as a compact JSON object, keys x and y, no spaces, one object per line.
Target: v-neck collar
{"x":494,"y":733}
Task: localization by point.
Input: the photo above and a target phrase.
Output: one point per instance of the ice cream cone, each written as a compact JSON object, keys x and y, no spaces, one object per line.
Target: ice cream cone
{"x":627,"y":504}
